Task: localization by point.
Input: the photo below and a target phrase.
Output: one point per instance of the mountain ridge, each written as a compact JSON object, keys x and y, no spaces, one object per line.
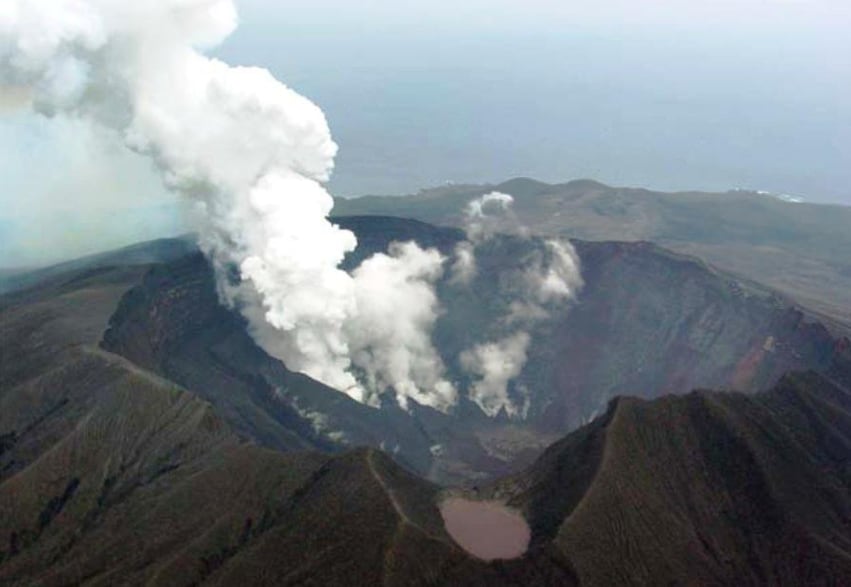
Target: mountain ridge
{"x":111,"y":473}
{"x":801,"y":249}
{"x":648,"y":322}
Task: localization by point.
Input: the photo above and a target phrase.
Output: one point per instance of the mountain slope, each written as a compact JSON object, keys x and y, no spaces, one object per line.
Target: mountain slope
{"x":648,"y":322}
{"x":113,"y":475}
{"x":110,"y":474}
{"x":801,"y":249}
{"x":708,"y":488}
{"x":140,"y":254}
{"x":103,"y":464}
{"x":173,"y":325}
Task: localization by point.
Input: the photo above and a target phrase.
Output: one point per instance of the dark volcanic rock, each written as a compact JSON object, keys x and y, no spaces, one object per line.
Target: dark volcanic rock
{"x":707,"y":488}
{"x":112,"y":474}
{"x":648,"y":322}
{"x":173,"y":325}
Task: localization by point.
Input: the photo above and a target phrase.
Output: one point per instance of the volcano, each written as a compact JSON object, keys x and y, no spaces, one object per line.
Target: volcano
{"x":145,"y":437}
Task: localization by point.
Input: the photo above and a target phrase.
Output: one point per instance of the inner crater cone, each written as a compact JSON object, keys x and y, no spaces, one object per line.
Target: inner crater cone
{"x":486,"y":529}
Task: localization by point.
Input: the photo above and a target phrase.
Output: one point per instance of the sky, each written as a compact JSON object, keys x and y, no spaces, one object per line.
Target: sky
{"x":668,"y":95}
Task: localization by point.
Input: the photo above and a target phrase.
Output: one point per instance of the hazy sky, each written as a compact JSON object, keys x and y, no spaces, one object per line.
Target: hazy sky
{"x":471,"y":16}
{"x":663,"y":94}
{"x":672,"y":95}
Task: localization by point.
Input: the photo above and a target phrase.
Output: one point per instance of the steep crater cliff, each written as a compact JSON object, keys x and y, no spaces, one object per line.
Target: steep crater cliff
{"x":648,"y":322}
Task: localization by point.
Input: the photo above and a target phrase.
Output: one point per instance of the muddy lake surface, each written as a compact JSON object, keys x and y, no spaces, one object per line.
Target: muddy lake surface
{"x":486,"y":529}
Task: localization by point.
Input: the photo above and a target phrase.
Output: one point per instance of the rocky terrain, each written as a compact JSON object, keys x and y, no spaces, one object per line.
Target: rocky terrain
{"x":112,"y":474}
{"x":648,"y":322}
{"x":801,"y":249}
{"x":704,"y":489}
{"x":145,"y":438}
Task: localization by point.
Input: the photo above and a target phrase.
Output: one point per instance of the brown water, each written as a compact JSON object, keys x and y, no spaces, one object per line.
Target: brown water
{"x":486,"y":529}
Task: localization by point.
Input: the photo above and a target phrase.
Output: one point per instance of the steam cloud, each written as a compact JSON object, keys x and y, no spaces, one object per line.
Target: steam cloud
{"x":252,"y":154}
{"x":550,"y":277}
{"x":483,"y":217}
{"x":487,"y":214}
{"x":496,"y":363}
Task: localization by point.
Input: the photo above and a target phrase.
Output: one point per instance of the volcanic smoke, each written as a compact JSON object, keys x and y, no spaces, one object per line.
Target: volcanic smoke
{"x":252,"y":155}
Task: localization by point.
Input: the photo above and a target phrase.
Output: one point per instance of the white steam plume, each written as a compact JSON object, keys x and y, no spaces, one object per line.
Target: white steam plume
{"x":390,"y":336}
{"x":463,"y":268}
{"x":555,"y":279}
{"x":483,"y":217}
{"x":252,"y":153}
{"x":551,"y":277}
{"x":496,"y":363}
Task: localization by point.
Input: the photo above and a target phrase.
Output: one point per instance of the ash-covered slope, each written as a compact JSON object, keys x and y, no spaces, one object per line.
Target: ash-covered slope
{"x":648,"y":322}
